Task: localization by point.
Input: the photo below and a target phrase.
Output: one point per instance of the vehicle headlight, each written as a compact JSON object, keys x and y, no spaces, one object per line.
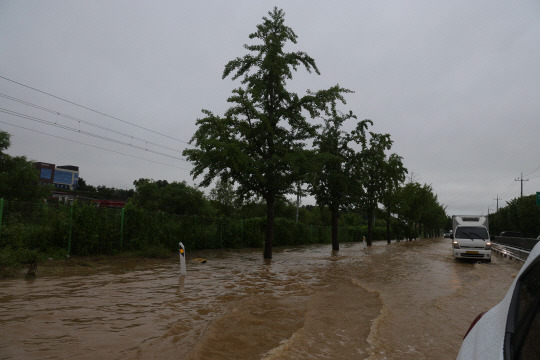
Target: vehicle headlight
{"x":455,"y":244}
{"x":488,"y":245}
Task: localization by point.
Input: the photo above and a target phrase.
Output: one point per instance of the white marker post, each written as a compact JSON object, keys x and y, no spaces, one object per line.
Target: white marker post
{"x":182,"y":259}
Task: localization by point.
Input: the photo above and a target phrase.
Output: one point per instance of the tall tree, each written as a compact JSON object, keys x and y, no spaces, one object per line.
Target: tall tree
{"x":419,"y":207}
{"x":224,"y":197}
{"x":260,"y":142}
{"x":410,"y":206}
{"x":393,"y":175}
{"x":173,"y":198}
{"x":83,"y":186}
{"x":433,"y":214}
{"x":520,"y":214}
{"x":333,"y":181}
{"x":369,"y":169}
{"x":4,"y":143}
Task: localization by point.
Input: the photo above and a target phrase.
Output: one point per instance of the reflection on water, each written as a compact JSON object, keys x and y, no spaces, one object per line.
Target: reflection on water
{"x":399,"y":301}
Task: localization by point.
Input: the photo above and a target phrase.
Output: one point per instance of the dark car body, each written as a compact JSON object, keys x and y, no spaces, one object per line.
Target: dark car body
{"x":511,"y":234}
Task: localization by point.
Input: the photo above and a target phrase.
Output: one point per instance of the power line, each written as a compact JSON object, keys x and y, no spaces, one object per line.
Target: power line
{"x":90,"y":109}
{"x":81,"y":121}
{"x":508,"y":189}
{"x":46,"y":122}
{"x":94,"y":146}
{"x":511,"y":186}
{"x":532,"y":172}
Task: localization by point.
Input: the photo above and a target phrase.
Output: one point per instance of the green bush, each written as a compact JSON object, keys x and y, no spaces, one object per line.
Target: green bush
{"x":14,"y":260}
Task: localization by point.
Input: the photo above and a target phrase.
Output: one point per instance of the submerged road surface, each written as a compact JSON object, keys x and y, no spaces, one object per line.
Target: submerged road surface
{"x":407,"y":300}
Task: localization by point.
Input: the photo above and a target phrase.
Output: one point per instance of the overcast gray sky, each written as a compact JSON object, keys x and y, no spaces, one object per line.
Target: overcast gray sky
{"x":455,"y":83}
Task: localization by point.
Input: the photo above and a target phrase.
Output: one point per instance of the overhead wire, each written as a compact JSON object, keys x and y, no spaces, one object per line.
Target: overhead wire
{"x":90,"y":109}
{"x":513,"y":184}
{"x":65,"y":127}
{"x":532,"y":171}
{"x":509,"y":189}
{"x":94,"y":146}
{"x":82,"y":121}
{"x":67,"y":116}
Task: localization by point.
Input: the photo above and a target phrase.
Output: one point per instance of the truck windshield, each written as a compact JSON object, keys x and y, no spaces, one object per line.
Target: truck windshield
{"x":471,"y":232}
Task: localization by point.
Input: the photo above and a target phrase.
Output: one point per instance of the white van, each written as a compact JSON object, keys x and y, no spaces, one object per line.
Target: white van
{"x":470,"y":237}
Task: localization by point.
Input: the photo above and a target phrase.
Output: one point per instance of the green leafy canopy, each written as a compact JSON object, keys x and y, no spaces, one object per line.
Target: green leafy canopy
{"x":260,"y":142}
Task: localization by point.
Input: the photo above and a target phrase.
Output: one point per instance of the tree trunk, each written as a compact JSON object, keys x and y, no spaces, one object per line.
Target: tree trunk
{"x":335,"y":242}
{"x":369,"y":227}
{"x":270,"y":204}
{"x":388,"y":227}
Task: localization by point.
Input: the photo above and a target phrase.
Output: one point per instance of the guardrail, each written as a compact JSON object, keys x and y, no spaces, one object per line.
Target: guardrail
{"x":516,"y":253}
{"x":515,"y":242}
{"x":515,"y":247}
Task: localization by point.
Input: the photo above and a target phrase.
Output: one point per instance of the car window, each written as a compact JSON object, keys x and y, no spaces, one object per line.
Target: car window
{"x":525,"y":307}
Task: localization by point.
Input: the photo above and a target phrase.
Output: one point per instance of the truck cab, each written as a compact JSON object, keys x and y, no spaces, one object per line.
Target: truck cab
{"x":470,"y":237}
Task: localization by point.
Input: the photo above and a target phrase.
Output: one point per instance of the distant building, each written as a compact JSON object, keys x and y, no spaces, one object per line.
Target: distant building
{"x":46,"y":172}
{"x":62,"y":177}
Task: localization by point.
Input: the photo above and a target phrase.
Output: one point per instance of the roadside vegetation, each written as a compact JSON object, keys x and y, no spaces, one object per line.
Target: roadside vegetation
{"x":521,"y":214}
{"x":159,"y":214}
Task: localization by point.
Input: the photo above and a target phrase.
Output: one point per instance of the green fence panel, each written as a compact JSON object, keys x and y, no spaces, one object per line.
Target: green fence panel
{"x":1,"y":216}
{"x":83,"y":229}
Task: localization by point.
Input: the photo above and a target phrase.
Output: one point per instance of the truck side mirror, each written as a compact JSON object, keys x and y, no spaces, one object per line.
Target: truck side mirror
{"x":452,"y":236}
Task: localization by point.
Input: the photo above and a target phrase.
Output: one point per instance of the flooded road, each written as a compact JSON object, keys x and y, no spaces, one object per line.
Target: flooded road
{"x":407,"y":300}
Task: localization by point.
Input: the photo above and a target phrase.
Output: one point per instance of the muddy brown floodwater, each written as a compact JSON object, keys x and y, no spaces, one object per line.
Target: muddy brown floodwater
{"x":407,"y":300}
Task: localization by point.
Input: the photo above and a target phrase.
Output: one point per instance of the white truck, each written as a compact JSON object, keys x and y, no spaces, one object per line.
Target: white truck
{"x":470,"y":237}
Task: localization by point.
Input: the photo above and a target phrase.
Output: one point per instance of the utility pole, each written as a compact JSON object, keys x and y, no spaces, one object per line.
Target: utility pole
{"x":521,"y":179}
{"x":497,"y":201}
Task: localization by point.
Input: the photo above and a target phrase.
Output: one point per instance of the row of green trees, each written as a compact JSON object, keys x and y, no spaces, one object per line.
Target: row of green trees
{"x":265,"y":146}
{"x":415,"y":208}
{"x":103,"y":192}
{"x":520,"y":214}
{"x":19,"y":178}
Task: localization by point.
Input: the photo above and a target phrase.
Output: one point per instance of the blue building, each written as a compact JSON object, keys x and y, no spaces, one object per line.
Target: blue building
{"x":62,"y":177}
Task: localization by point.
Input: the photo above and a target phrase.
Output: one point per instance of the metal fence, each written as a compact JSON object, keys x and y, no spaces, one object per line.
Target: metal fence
{"x":518,"y":254}
{"x":516,"y":242}
{"x":515,"y":247}
{"x":84,"y":229}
